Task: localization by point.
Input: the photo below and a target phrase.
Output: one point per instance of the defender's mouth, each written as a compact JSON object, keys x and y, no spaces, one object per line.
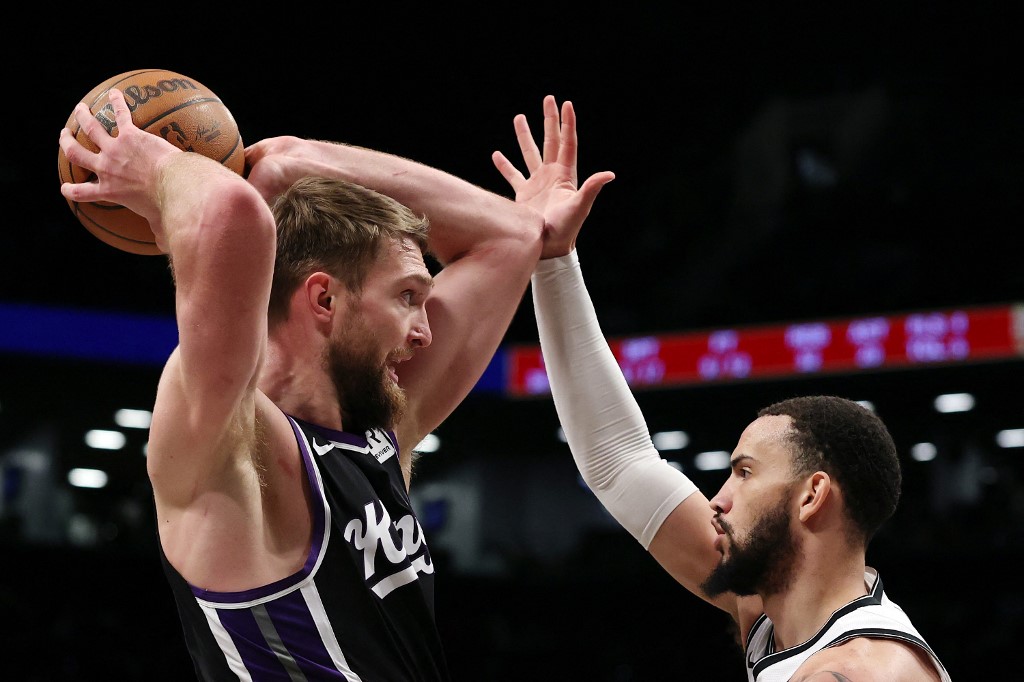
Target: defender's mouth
{"x":720,"y":537}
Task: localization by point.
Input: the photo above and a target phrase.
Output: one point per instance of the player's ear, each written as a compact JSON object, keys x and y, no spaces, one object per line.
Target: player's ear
{"x":319,"y":294}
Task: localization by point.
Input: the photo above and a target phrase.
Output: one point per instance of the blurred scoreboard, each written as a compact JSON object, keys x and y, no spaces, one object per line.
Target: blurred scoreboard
{"x":814,"y":347}
{"x":936,"y":337}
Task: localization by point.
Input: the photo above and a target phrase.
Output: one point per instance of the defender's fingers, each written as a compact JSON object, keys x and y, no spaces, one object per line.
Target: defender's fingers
{"x":552,"y":138}
{"x":570,"y":144}
{"x":583,"y":201}
{"x":591,"y":187}
{"x":527,"y":145}
{"x":598,"y":180}
{"x":507,"y":170}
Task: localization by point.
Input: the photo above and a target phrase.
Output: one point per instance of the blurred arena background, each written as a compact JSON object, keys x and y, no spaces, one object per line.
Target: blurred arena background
{"x":833,"y":199}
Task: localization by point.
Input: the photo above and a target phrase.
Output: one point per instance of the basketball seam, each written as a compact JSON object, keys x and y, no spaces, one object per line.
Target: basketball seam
{"x":81,"y":215}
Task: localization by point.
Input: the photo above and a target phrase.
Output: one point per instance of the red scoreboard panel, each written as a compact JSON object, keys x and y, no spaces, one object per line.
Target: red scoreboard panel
{"x":803,"y":348}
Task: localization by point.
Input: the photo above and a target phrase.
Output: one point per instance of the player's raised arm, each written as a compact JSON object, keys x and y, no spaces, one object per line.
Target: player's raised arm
{"x":487,"y":243}
{"x":604,"y":426}
{"x":219,"y":236}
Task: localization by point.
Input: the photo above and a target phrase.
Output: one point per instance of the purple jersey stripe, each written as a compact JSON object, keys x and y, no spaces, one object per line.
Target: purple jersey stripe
{"x":300,"y":637}
{"x":258,"y":658}
{"x":319,"y":504}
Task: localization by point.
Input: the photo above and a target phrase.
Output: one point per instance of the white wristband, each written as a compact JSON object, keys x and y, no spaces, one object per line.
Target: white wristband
{"x":603,"y":424}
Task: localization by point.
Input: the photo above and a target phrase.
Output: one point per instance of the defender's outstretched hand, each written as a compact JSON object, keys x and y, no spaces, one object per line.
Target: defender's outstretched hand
{"x":551,"y":188}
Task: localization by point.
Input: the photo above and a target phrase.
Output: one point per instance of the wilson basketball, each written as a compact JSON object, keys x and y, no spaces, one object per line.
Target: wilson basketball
{"x":177,"y":108}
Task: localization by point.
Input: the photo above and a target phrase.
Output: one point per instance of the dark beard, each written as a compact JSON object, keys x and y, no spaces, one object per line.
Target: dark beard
{"x":368,"y":397}
{"x":763,"y":563}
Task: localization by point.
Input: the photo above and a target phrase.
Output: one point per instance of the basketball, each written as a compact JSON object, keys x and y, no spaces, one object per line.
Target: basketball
{"x":177,"y":108}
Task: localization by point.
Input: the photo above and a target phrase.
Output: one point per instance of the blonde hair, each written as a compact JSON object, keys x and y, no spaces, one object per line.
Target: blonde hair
{"x":334,"y":226}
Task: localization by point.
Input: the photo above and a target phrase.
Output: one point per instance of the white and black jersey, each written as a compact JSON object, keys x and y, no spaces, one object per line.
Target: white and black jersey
{"x":873,"y":615}
{"x":361,"y":609}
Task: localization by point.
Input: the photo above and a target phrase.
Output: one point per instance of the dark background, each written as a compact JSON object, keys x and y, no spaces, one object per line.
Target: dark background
{"x":773,"y":165}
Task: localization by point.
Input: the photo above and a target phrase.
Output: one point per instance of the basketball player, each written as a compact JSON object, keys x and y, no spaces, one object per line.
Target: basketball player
{"x":315,"y":351}
{"x":782,"y":545}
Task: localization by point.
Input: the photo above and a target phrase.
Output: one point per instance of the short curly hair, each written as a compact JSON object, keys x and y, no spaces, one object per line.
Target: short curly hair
{"x":852,"y":445}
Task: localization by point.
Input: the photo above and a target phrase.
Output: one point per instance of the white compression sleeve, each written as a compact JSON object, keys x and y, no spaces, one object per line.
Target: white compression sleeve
{"x":603,"y":424}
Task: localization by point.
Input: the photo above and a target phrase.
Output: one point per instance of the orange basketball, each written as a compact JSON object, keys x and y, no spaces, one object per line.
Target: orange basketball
{"x":178,"y":108}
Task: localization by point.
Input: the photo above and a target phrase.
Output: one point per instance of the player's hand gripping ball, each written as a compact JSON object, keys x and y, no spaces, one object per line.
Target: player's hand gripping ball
{"x":177,"y":108}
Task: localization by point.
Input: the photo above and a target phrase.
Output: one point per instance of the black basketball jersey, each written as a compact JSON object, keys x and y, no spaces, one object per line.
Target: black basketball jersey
{"x":361,"y":609}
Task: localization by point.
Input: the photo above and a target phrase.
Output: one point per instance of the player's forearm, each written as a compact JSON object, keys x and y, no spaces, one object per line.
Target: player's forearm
{"x":221,"y":239}
{"x":200,"y":200}
{"x":603,"y":424}
{"x":464,"y":218}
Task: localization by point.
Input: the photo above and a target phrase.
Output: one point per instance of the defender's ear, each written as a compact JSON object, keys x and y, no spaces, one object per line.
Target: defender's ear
{"x":816,"y":489}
